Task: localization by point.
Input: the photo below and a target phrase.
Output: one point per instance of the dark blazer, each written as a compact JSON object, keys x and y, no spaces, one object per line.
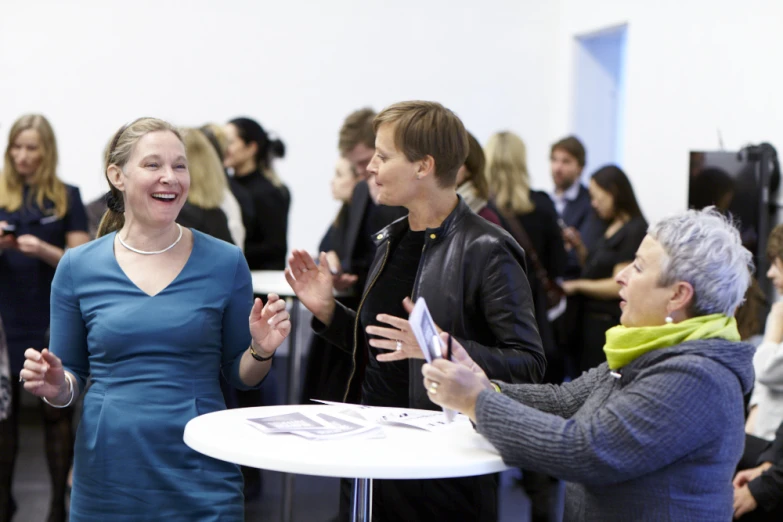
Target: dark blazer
{"x":767,"y":489}
{"x":473,"y":278}
{"x":579,"y":214}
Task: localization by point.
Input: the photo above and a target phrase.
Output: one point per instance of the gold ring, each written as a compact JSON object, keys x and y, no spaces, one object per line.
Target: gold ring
{"x":434,"y":388}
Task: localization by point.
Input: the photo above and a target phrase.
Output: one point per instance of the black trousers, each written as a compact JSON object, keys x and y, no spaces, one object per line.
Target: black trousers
{"x":465,"y":498}
{"x":58,"y":441}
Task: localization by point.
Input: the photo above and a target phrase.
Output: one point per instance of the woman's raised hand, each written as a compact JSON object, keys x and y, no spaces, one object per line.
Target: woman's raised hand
{"x":312,"y":284}
{"x":270,"y":324}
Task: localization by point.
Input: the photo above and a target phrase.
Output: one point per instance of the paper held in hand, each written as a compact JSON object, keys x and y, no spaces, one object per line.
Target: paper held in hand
{"x":426,"y":333}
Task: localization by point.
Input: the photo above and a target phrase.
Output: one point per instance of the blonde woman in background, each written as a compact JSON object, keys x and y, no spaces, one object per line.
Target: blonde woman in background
{"x":40,"y":216}
{"x":534,"y":213}
{"x":208,"y":189}
{"x":241,"y":215}
{"x":530,"y":217}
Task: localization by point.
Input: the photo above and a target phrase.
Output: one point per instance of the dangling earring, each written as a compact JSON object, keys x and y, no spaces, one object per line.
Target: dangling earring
{"x":669,"y":319}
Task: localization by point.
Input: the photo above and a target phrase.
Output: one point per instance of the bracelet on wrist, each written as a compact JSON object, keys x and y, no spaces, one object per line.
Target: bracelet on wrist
{"x":259,"y":357}
{"x":495,"y":387}
{"x":70,"y":399}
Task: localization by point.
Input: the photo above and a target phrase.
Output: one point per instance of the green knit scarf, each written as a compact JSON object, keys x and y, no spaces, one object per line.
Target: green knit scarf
{"x":624,"y":345}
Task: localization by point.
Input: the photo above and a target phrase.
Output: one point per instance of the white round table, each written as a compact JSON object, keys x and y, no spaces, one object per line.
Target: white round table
{"x":405,"y":453}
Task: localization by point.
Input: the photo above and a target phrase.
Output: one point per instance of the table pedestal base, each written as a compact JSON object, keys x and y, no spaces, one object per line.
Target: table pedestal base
{"x":361,"y":500}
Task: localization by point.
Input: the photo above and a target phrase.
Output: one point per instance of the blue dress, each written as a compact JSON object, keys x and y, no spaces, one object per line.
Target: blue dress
{"x":154,"y":363}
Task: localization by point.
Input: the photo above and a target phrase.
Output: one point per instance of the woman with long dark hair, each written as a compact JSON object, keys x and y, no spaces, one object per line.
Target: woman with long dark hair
{"x":614,"y":202}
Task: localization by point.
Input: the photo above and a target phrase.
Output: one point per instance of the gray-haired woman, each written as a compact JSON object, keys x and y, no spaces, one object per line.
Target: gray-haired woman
{"x":655,"y":432}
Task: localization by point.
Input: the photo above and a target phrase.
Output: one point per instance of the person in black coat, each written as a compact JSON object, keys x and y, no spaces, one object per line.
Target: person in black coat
{"x":250,"y":152}
{"x":434,"y":253}
{"x":571,"y":198}
{"x":597,"y":291}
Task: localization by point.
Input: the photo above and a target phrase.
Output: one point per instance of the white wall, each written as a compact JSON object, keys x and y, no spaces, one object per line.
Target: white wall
{"x":693,"y":66}
{"x":299,"y":67}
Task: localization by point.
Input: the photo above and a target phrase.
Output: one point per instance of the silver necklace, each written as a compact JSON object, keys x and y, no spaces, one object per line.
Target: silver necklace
{"x":144,"y":252}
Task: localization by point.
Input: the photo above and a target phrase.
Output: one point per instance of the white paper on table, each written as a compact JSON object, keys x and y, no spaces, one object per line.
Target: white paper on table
{"x":318,"y":426}
{"x":421,"y":419}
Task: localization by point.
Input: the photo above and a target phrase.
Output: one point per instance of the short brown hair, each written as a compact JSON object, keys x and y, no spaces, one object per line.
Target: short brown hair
{"x":475,"y":164}
{"x":775,"y":244}
{"x":425,"y":128}
{"x":572,"y":146}
{"x":357,"y":128}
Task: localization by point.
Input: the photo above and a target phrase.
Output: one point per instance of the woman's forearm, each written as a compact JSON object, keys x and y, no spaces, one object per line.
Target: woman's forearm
{"x":64,"y":396}
{"x":251,"y":371}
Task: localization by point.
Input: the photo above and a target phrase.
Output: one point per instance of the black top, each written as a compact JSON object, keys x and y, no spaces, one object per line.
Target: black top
{"x":266,"y":241}
{"x":26,"y":282}
{"x":386,"y":383}
{"x":767,"y":489}
{"x":211,"y":221}
{"x":608,"y":252}
{"x":544,"y":232}
{"x":245,"y":201}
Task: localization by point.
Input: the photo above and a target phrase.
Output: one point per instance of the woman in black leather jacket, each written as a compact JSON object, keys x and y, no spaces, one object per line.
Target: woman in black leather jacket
{"x":472,"y":275}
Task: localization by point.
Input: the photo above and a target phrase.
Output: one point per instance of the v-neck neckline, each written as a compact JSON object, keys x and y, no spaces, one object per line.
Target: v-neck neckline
{"x":176,"y":278}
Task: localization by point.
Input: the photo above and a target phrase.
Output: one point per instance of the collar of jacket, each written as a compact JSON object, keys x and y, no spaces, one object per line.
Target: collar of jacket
{"x":432,"y":234}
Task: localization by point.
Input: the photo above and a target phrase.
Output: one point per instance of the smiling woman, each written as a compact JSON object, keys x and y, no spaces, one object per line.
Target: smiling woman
{"x":151,"y":312}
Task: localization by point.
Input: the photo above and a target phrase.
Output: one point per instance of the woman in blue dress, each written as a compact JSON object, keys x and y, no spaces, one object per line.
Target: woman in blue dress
{"x":150,"y":311}
{"x":40,"y":216}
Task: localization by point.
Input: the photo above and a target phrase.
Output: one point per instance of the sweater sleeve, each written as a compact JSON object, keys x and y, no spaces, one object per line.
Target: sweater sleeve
{"x":562,"y":400}
{"x":668,"y":411}
{"x":768,"y":365}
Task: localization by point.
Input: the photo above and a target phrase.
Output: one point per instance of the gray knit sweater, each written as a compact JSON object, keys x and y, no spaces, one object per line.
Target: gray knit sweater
{"x":659,"y":443}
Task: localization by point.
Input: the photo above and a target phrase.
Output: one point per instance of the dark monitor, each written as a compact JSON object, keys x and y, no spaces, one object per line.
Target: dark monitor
{"x":738,"y":183}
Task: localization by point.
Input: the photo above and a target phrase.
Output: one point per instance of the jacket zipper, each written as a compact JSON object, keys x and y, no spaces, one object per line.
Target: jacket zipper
{"x":356,"y":322}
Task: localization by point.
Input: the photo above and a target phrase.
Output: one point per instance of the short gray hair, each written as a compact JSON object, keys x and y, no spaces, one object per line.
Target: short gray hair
{"x":704,"y":248}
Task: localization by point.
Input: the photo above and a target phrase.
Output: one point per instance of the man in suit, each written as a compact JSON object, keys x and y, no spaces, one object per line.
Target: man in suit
{"x":357,"y":145}
{"x":572,"y":199}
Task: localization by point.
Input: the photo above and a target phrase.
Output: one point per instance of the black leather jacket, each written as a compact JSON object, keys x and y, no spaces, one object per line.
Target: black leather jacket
{"x":472,"y":275}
